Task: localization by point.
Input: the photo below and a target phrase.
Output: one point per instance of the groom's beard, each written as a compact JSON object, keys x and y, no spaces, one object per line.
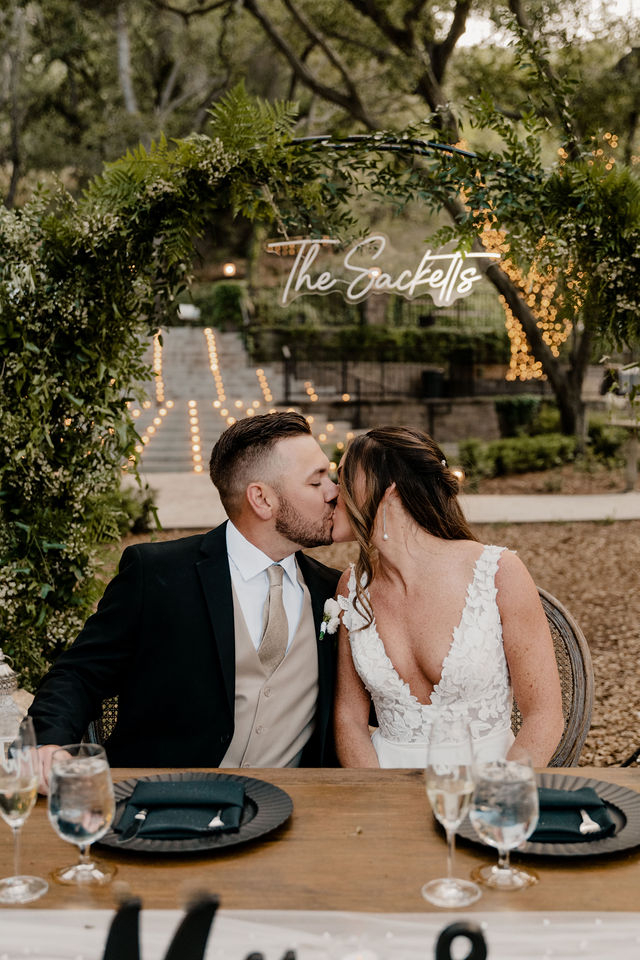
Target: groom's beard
{"x":290,"y":523}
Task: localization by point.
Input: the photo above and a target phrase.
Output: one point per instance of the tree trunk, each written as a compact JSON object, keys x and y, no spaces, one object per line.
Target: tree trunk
{"x":17,"y":41}
{"x":566,"y":379}
{"x":124,"y":60}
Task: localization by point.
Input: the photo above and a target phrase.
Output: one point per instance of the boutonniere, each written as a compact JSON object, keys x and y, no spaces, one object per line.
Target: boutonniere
{"x":331,"y":618}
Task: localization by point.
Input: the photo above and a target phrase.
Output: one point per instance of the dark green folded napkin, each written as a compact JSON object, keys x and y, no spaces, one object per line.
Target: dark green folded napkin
{"x":178,"y":809}
{"x":559,"y":820}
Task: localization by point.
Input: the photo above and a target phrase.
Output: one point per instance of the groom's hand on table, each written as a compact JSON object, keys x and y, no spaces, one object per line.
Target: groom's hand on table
{"x":45,"y":754}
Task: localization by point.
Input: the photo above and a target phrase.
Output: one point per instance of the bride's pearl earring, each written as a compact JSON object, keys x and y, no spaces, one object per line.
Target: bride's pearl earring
{"x":385,"y":535}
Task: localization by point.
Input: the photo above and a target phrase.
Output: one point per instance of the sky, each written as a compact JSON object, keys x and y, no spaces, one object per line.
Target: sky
{"x":479,"y":29}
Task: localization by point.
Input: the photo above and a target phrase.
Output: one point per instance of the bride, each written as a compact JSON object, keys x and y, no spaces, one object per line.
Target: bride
{"x":432,"y":620}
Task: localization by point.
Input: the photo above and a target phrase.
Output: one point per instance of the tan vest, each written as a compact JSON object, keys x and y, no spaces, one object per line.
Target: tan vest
{"x":274,"y":717}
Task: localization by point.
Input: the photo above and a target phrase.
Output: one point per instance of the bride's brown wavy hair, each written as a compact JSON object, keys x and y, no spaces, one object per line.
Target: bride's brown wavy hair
{"x":426,"y":486}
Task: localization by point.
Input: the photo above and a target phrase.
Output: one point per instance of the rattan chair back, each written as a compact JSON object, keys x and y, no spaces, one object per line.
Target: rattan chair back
{"x":100,"y":729}
{"x":576,"y":681}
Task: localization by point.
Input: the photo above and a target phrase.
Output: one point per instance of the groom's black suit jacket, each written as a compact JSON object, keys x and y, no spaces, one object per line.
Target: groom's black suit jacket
{"x":162,"y":639}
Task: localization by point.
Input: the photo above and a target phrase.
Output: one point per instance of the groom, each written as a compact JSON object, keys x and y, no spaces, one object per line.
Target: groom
{"x":211,"y":643}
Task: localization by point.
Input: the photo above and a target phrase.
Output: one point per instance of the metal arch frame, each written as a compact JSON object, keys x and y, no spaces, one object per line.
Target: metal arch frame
{"x":419,"y":147}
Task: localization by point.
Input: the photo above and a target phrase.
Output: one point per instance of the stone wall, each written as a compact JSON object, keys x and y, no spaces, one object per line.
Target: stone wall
{"x":447,"y":420}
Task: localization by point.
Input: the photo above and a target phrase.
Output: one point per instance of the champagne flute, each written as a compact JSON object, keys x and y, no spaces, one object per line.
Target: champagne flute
{"x":449,"y":784}
{"x":18,"y":787}
{"x":81,"y":808}
{"x":504,"y":812}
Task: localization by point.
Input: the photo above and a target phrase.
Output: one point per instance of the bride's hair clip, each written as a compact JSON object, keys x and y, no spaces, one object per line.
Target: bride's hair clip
{"x":443,"y":462}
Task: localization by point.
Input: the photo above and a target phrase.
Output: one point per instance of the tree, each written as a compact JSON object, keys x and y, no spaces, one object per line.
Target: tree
{"x":76,"y":91}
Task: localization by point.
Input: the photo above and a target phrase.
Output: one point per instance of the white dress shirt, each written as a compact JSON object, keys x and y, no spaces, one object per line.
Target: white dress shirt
{"x":248,"y":567}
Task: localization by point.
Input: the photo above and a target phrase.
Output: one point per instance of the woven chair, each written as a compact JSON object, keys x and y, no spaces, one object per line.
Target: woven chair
{"x":576,"y":680}
{"x":100,"y":729}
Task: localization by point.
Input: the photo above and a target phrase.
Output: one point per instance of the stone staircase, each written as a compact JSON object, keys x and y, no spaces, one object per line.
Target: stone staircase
{"x":184,"y":397}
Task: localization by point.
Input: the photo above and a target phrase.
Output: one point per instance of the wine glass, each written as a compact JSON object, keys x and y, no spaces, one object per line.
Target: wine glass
{"x":504,"y":812}
{"x":449,"y":783}
{"x":81,"y":808}
{"x":18,"y":787}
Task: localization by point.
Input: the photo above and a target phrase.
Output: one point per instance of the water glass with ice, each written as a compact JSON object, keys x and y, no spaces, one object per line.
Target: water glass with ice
{"x":81,"y":808}
{"x":504,"y":812}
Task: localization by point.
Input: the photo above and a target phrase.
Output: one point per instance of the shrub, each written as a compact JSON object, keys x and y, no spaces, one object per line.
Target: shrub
{"x":475,"y":459}
{"x":224,"y":306}
{"x":546,"y":420}
{"x":522,"y":454}
{"x":433,"y":345}
{"x":516,"y":454}
{"x":516,"y":413}
{"x":606,"y":442}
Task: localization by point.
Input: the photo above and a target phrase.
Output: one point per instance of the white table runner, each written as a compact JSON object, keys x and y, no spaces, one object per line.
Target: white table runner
{"x":33,"y":934}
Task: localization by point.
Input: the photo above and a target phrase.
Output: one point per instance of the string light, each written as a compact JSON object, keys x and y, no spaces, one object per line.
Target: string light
{"x":214,"y":364}
{"x":264,"y":386}
{"x":157,"y":367}
{"x":194,"y":428}
{"x":150,"y":430}
{"x":540,"y":288}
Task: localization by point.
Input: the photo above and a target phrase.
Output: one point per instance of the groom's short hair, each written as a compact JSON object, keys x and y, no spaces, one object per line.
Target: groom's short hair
{"x":241,"y":455}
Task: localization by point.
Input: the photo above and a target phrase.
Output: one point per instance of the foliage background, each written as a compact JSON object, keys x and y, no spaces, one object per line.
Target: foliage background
{"x":85,"y":277}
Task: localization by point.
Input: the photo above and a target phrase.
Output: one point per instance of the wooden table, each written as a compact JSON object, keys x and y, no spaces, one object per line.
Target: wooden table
{"x":357,"y":840}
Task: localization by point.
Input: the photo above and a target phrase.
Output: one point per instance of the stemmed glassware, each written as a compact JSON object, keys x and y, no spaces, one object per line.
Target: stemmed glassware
{"x":18,"y":787}
{"x":504,"y":812}
{"x":449,"y":784}
{"x":81,"y":808}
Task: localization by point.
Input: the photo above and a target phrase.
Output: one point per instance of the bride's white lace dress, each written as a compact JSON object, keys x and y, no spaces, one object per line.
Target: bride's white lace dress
{"x":474,"y":687}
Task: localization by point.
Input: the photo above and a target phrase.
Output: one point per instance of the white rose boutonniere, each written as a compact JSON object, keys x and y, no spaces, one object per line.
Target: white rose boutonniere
{"x":331,"y":618}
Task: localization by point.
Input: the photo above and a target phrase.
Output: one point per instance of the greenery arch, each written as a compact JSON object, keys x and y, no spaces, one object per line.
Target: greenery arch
{"x":84,"y":282}
{"x":82,"y":285}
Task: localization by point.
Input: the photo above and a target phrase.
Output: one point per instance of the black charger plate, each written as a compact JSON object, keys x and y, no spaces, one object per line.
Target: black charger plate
{"x":623,"y":806}
{"x":265,"y":808}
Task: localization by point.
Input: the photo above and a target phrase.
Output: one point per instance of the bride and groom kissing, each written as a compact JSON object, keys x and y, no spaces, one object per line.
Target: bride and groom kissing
{"x":217,"y":647}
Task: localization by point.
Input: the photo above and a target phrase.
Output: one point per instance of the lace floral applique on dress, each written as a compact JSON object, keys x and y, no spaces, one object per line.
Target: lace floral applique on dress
{"x":474,"y":686}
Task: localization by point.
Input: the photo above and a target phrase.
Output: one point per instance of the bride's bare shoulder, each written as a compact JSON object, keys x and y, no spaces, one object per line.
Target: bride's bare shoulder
{"x":343,"y":583}
{"x":512,"y":575}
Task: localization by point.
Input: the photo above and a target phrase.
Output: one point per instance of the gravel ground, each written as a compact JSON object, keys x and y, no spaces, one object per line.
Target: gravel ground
{"x":594,"y":570}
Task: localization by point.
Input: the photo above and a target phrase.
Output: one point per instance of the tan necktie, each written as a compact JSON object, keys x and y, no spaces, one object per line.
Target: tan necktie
{"x":275,"y":634}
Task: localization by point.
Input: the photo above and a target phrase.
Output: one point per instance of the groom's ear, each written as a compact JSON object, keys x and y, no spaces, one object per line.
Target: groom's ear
{"x":262,"y":499}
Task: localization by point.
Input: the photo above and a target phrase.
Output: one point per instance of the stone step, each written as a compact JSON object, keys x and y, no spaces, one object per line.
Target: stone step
{"x":188,"y":389}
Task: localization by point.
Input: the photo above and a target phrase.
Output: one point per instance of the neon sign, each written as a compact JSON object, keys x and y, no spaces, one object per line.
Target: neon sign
{"x":445,"y":276}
